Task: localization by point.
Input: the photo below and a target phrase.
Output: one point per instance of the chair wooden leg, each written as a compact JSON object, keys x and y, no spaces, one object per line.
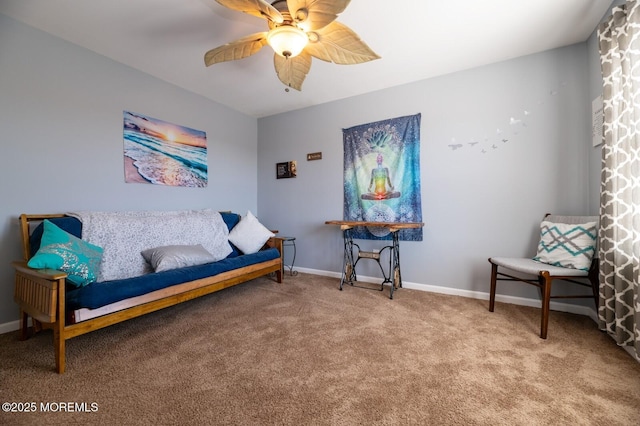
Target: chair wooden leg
{"x":492,"y":294}
{"x":545,"y":281}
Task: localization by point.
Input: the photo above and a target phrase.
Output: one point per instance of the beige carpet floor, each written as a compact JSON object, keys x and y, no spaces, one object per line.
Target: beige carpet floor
{"x":304,"y":353}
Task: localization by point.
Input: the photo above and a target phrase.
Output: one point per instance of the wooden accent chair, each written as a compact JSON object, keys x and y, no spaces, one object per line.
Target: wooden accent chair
{"x":524,"y":270}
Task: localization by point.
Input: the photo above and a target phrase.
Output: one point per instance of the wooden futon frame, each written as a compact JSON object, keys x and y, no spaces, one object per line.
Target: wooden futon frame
{"x":40,"y":294}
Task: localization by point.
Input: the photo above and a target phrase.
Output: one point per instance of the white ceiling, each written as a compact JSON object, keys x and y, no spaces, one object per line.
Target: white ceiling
{"x":417,"y":39}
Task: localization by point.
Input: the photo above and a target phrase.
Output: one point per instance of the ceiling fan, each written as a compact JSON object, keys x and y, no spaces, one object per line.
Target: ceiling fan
{"x":298,"y":30}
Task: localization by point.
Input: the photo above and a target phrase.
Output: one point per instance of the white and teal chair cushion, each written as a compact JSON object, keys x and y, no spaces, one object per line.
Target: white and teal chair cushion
{"x":567,"y":245}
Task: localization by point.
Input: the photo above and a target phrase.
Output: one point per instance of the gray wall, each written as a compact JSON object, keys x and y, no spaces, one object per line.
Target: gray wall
{"x":474,"y":205}
{"x":61,"y":119}
{"x":61,"y":136}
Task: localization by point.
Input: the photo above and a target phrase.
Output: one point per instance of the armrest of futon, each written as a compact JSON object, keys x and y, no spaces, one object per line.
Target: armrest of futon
{"x":275,"y":242}
{"x":36,"y":291}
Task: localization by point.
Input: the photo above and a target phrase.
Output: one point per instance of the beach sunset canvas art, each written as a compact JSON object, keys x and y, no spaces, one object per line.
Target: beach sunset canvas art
{"x":162,"y":153}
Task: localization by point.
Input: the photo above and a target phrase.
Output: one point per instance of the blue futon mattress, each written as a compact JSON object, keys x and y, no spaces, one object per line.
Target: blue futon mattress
{"x":103,"y":293}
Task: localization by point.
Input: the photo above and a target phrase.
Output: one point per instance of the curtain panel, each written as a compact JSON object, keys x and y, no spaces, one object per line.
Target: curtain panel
{"x":619,"y":235}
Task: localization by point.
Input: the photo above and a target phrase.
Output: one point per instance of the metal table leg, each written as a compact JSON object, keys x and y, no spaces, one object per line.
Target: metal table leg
{"x":348,"y":265}
{"x":290,"y":242}
{"x":396,"y":280}
{"x":377,"y":255}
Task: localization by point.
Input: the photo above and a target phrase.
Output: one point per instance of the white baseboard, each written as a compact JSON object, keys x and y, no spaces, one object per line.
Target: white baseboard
{"x":8,"y":327}
{"x":562,"y":307}
{"x":536,"y":303}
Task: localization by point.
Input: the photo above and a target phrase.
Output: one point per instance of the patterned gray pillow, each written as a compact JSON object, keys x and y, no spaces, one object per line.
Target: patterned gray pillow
{"x":173,"y":257}
{"x":567,"y":246}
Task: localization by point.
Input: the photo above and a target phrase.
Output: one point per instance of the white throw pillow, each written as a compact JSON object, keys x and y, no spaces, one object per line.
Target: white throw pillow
{"x":567,"y":246}
{"x":249,"y":235}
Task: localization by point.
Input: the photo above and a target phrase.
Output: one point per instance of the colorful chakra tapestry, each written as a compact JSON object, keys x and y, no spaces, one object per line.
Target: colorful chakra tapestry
{"x":382,"y":176}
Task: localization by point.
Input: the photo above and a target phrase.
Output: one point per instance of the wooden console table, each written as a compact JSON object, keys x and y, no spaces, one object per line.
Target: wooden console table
{"x":394,"y":276}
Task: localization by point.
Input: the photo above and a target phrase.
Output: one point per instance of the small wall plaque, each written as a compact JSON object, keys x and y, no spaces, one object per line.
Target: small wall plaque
{"x":287,"y":169}
{"x":314,"y":156}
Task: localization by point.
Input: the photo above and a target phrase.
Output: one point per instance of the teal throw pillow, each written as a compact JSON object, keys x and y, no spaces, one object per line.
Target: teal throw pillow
{"x":67,"y":253}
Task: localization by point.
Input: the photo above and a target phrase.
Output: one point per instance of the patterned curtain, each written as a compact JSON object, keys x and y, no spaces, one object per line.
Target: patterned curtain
{"x":619,"y":236}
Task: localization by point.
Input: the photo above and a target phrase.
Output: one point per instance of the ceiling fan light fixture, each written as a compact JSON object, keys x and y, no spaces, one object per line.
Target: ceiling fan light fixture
{"x":287,"y":40}
{"x":298,"y":31}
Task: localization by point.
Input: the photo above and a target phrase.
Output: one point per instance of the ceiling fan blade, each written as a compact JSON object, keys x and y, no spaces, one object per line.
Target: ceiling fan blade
{"x":259,"y":8}
{"x":239,"y":49}
{"x":292,"y":71}
{"x":337,"y":43}
{"x":312,"y":15}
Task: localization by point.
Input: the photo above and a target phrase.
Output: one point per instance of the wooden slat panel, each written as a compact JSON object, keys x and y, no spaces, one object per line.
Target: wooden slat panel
{"x":36,"y":296}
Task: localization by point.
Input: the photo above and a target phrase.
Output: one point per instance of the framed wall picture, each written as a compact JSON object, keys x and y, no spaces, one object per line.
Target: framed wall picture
{"x":161,"y":153}
{"x":288,"y":169}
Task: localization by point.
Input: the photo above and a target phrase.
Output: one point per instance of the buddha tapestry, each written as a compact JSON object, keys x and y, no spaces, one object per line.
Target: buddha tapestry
{"x":382,"y":176}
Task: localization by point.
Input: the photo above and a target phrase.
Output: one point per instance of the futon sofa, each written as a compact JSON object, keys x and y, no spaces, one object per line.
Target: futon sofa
{"x":114,"y":266}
